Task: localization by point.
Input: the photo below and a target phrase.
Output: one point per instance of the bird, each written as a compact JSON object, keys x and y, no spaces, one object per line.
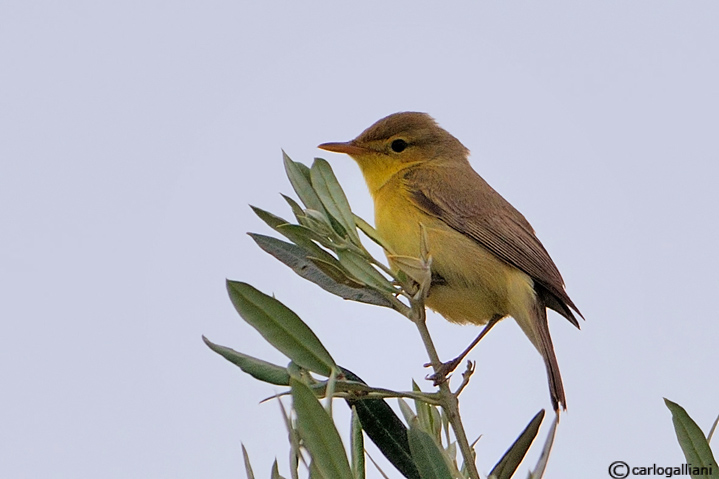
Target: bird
{"x":487,"y":262}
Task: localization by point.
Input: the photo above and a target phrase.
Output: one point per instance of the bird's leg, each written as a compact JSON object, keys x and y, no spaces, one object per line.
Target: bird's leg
{"x":445,"y":369}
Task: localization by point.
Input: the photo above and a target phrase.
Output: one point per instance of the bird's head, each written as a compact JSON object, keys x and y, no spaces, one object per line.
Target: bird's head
{"x":396,"y":142}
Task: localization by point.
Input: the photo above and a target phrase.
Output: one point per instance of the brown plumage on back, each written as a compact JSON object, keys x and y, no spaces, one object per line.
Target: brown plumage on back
{"x":475,"y":209}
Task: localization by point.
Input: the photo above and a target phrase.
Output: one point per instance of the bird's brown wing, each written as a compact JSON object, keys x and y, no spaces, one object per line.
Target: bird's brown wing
{"x":461,"y":198}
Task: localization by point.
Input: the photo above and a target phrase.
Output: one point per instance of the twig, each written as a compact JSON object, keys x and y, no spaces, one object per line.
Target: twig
{"x":449,"y":402}
{"x":465,"y":377}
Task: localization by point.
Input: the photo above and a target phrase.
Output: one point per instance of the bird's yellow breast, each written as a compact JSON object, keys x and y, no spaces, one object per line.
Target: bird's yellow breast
{"x":474,"y":284}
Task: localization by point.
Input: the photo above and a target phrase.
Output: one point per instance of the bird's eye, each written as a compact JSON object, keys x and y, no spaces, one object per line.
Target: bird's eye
{"x":398,"y":146}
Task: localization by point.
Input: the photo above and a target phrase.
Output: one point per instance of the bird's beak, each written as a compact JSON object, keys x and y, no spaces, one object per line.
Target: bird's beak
{"x":347,"y":147}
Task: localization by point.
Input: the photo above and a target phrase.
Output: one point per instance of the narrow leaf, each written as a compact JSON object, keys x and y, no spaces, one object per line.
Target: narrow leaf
{"x":363,"y":271}
{"x":275,"y":471}
{"x":281,"y":327}
{"x":308,"y":239}
{"x":298,"y":234}
{"x":271,"y":219}
{"x":692,"y":440}
{"x":319,"y":222}
{"x":435,"y":423}
{"x":712,"y":430}
{"x":316,"y":473}
{"x":357,"y":446}
{"x":423,"y":409}
{"x":409,"y":415}
{"x":319,"y":433}
{"x":257,"y":368}
{"x":538,"y":472}
{"x":371,"y":233}
{"x":329,"y":388}
{"x":336,"y":271}
{"x":509,"y":463}
{"x":296,"y":208}
{"x":304,"y":238}
{"x":415,"y":268}
{"x":304,"y":169}
{"x":318,"y":272}
{"x":248,"y":466}
{"x":294,"y":440}
{"x":427,"y":455}
{"x":301,"y":183}
{"x":385,"y":429}
{"x":332,"y":197}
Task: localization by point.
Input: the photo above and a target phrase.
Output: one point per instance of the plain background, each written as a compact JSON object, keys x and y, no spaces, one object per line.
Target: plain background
{"x":133,"y":136}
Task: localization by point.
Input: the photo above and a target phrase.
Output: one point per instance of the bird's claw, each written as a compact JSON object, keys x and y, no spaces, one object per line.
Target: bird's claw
{"x":442,"y":373}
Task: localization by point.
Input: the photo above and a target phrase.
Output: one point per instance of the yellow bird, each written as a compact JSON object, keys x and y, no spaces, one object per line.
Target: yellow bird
{"x":487,"y":262}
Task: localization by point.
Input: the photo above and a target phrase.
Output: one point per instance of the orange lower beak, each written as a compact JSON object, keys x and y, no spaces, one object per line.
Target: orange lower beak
{"x":347,"y":147}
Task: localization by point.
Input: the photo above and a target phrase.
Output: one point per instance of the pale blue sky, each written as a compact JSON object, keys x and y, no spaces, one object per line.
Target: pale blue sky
{"x":133,"y":135}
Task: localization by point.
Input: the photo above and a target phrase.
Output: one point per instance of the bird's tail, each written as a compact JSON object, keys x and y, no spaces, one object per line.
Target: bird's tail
{"x":537,"y":329}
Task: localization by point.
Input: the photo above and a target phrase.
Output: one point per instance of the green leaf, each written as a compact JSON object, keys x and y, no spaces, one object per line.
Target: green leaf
{"x":371,"y":233}
{"x":281,"y":327}
{"x":333,"y":280}
{"x":257,"y":368}
{"x":362,"y":270}
{"x":384,"y":428}
{"x":424,"y":411}
{"x":320,"y":223}
{"x":511,"y":459}
{"x":445,"y":426}
{"x":692,"y":440}
{"x":409,"y":415}
{"x":713,"y":429}
{"x":319,"y":433}
{"x":248,"y":466}
{"x":275,"y":471}
{"x":305,"y":237}
{"x":271,"y":219}
{"x":416,"y":269}
{"x":538,"y":472}
{"x":296,"y":208}
{"x":427,"y":455}
{"x":299,"y":235}
{"x":300,"y":181}
{"x":336,"y":271}
{"x":332,"y":197}
{"x":329,"y":388}
{"x":357,"y":446}
{"x":294,"y":440}
{"x":314,"y":472}
{"x":435,"y":423}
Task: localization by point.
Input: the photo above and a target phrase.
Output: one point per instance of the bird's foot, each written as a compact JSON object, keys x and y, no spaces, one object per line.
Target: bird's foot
{"x":442,"y":373}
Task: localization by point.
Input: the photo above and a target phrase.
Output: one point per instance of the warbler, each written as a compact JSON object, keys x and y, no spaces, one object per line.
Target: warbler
{"x":487,"y":262}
